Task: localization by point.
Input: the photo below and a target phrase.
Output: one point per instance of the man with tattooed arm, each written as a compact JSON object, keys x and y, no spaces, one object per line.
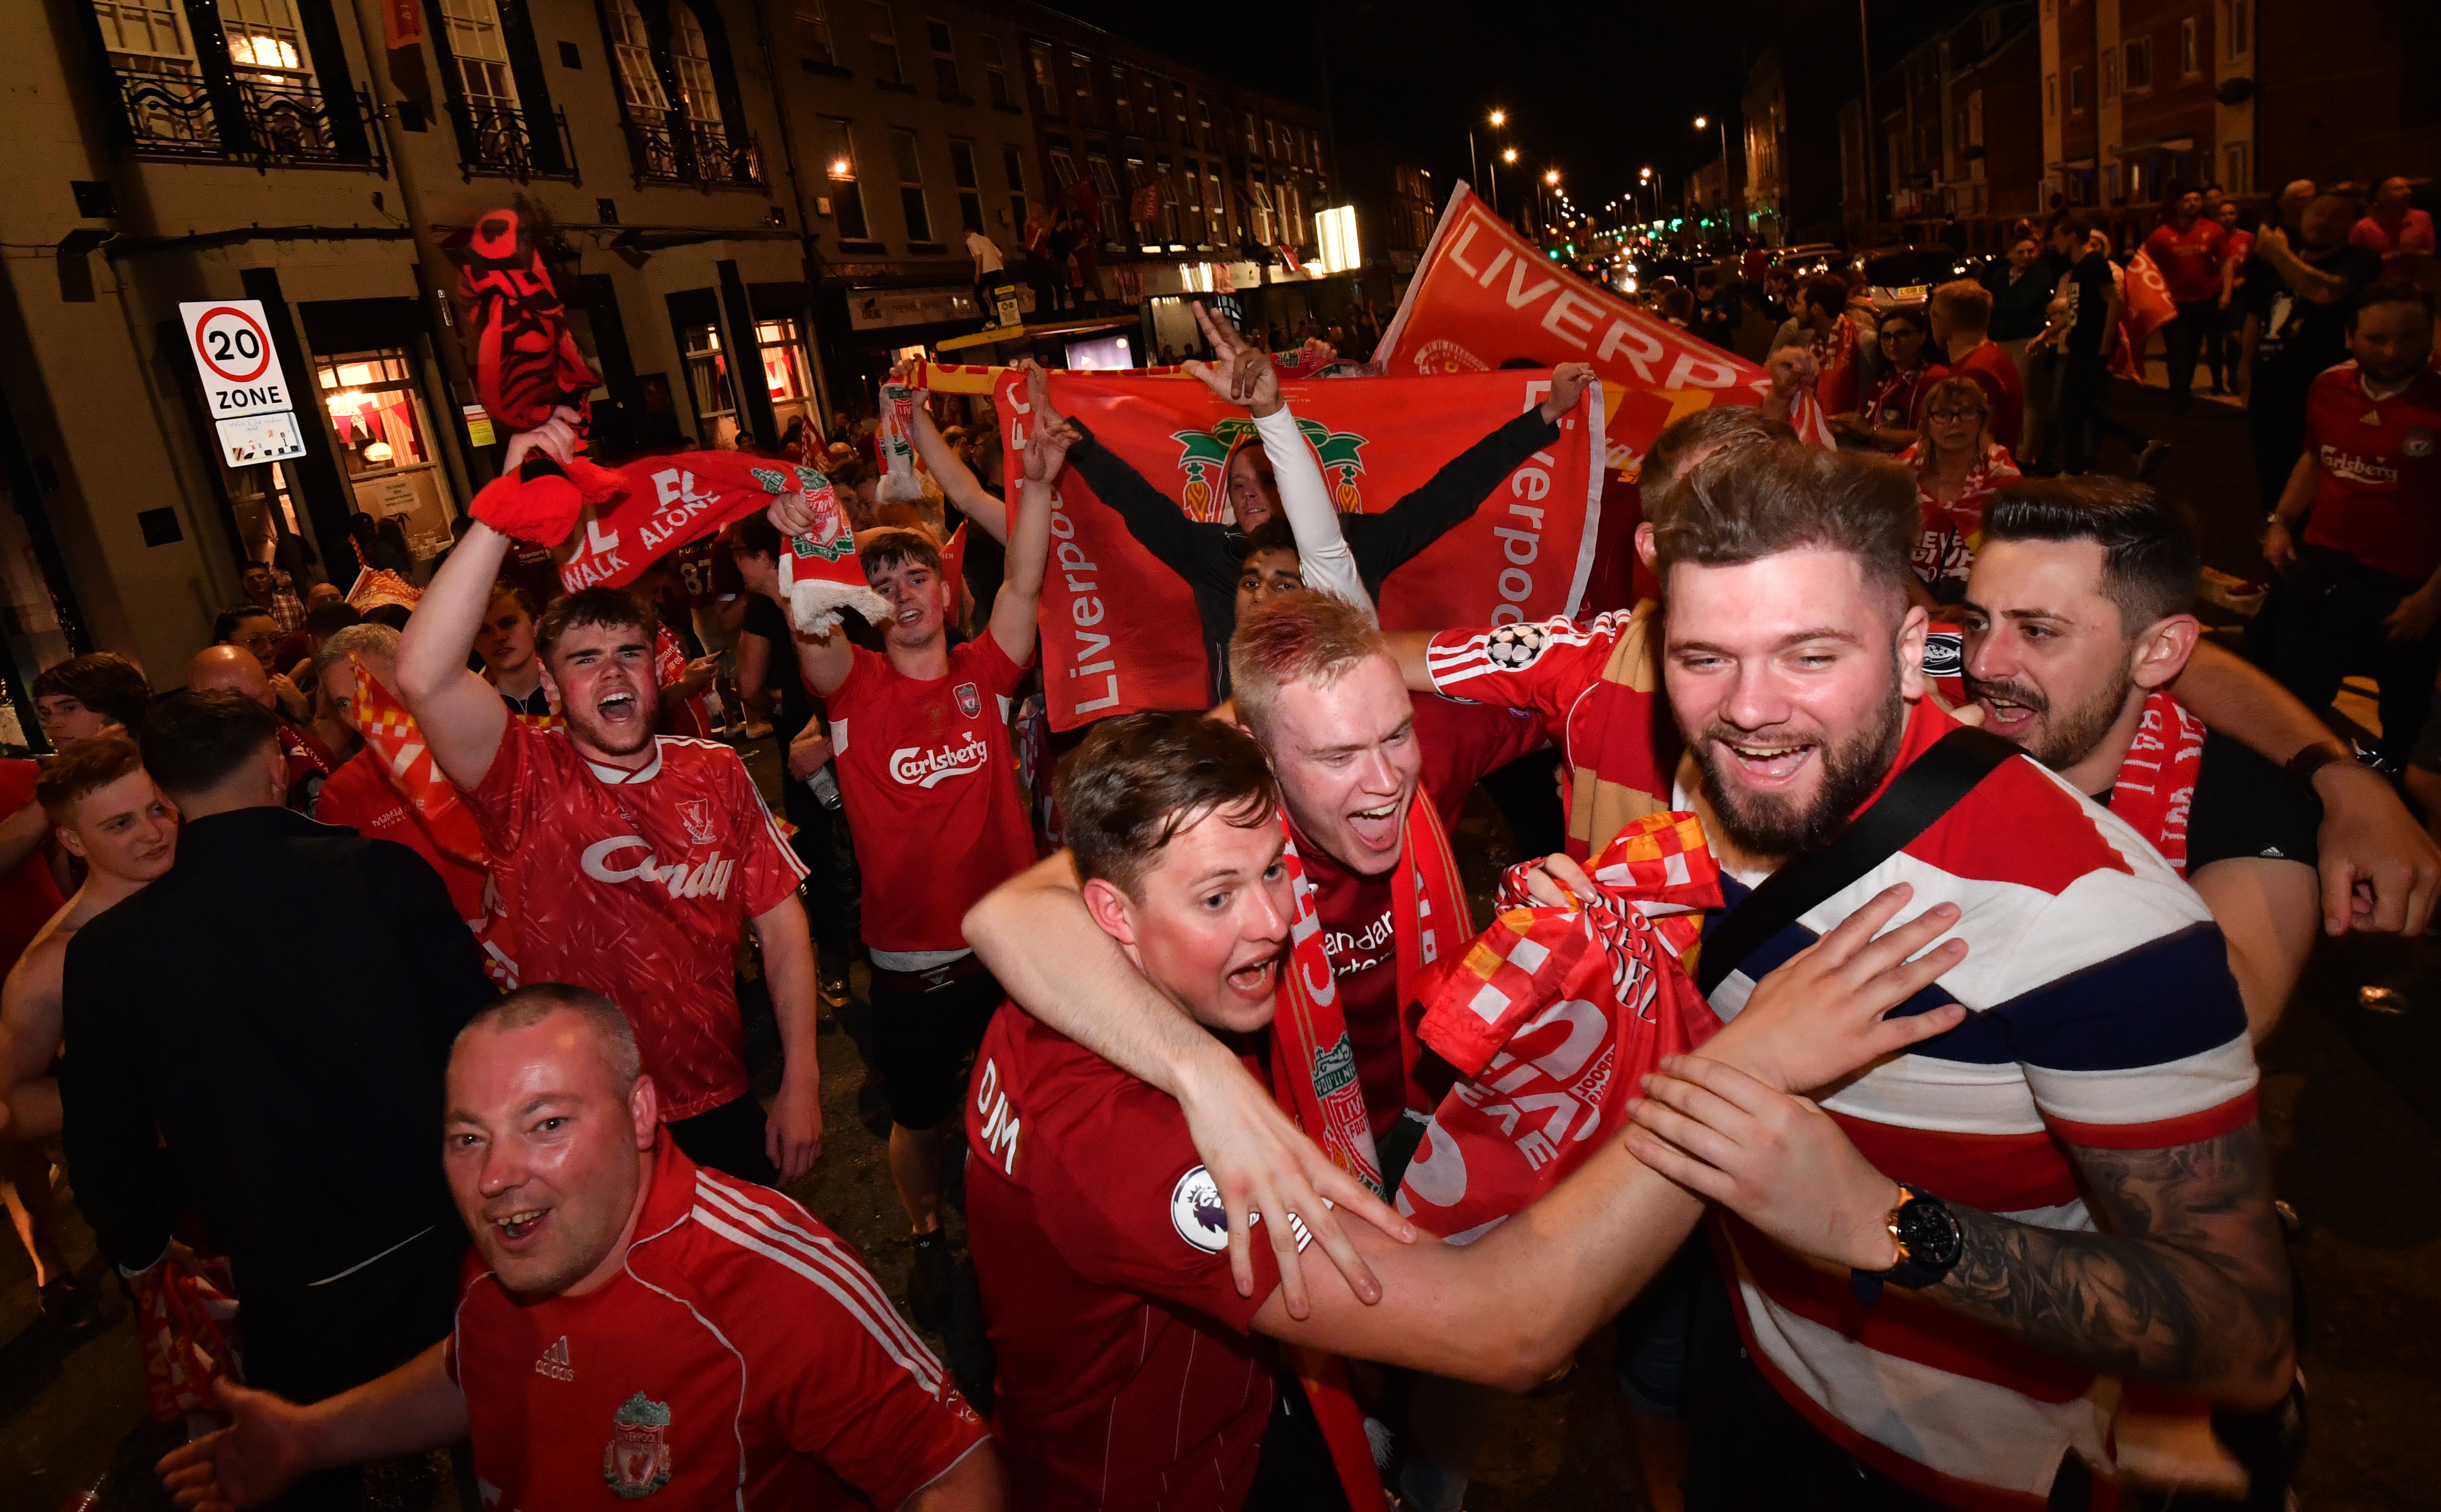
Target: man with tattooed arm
{"x":2067,"y":1187}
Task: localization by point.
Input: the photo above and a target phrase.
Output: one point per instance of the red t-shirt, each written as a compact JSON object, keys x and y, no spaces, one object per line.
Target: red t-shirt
{"x":743,"y":1357}
{"x":1459,"y":743}
{"x":359,"y":797}
{"x":635,"y":885}
{"x":2398,"y":249}
{"x":1126,"y":1379}
{"x":2189,"y":260}
{"x":2241,"y":246}
{"x":2379,"y":499}
{"x":28,"y":897}
{"x":2003,"y":391}
{"x":928,"y":776}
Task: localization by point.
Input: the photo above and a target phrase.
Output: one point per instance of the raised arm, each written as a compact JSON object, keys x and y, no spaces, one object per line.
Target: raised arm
{"x":461,"y":717}
{"x":1238,"y":374}
{"x":1388,"y":541}
{"x":1192,"y":548}
{"x":1043,"y":947}
{"x":1013,"y":622}
{"x":2381,"y":871}
{"x":957,"y":481}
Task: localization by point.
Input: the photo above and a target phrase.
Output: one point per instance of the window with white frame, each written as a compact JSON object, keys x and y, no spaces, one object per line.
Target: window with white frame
{"x":691,"y":59}
{"x":2236,"y":29}
{"x":881,"y":34}
{"x":1123,"y":105}
{"x":475,"y":41}
{"x":1047,"y":87}
{"x":2136,"y":63}
{"x":814,"y":33}
{"x":838,"y":174}
{"x":1106,"y":184}
{"x":1012,"y":162}
{"x":150,"y":38}
{"x":995,"y":73}
{"x":910,"y":186}
{"x":969,"y":182}
{"x":266,"y":38}
{"x":1216,"y":204}
{"x":1082,"y":67}
{"x":2191,"y":55}
{"x":639,"y":83}
{"x":2238,"y":172}
{"x":945,"y":59}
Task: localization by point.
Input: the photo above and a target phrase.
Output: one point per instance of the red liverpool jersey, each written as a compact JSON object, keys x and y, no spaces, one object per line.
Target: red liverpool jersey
{"x":1127,"y":1378}
{"x":635,"y":884}
{"x":2189,"y":260}
{"x":743,"y":1357}
{"x":2379,"y":499}
{"x":928,"y":778}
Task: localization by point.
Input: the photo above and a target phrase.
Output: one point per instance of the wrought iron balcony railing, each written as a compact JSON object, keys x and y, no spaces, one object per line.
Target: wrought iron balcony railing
{"x":500,"y":140}
{"x":699,"y":153}
{"x":282,"y":122}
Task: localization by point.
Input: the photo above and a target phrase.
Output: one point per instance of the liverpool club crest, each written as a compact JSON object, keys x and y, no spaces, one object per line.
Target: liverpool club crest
{"x":970,"y":700}
{"x":636,"y":1461}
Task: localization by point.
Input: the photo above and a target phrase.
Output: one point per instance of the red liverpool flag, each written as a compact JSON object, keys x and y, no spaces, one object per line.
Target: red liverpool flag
{"x":1483,"y":294}
{"x":2148,"y":309}
{"x":1119,"y":629}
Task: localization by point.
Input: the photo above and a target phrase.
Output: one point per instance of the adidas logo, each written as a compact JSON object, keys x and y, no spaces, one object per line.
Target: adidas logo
{"x":554,"y":1362}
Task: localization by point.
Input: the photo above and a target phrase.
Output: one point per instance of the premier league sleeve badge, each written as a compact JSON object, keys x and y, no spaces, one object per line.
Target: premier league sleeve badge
{"x":636,"y":1461}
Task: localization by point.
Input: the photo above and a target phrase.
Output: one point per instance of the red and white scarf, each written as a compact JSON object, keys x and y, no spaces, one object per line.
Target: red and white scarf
{"x":2157,"y":781}
{"x":1313,"y":1076}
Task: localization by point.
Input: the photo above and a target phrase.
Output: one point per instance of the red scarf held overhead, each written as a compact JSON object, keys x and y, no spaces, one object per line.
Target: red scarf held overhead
{"x":1313,"y":1076}
{"x":2157,"y":781}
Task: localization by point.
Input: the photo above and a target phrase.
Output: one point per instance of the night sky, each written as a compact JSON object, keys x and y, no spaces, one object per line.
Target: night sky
{"x":1596,"y":91}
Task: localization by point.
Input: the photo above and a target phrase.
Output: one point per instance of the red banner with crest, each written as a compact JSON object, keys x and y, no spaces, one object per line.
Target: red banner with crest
{"x":1119,"y":629}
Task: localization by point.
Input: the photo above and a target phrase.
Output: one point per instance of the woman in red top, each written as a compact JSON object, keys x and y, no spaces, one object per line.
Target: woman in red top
{"x":1958,"y":468}
{"x":1888,"y":414}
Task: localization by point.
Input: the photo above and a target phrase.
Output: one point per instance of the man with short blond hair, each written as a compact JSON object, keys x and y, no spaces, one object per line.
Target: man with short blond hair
{"x":1962,"y":324}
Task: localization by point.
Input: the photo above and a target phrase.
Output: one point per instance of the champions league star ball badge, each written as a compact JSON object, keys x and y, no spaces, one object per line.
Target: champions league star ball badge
{"x":636,"y":1461}
{"x":1514,"y":646}
{"x":1196,"y":1212}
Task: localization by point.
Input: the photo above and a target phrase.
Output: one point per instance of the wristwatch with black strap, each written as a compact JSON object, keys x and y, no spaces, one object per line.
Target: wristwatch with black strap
{"x":1928,"y":1241}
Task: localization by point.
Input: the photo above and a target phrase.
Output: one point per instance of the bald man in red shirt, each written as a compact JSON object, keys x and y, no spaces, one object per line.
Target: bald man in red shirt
{"x":633,"y":1326}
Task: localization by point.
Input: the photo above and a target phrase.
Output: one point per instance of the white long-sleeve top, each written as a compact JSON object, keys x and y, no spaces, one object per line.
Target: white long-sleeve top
{"x":1324,"y":561}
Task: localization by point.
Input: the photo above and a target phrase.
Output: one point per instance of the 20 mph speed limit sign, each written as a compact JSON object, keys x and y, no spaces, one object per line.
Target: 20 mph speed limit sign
{"x":251,"y":408}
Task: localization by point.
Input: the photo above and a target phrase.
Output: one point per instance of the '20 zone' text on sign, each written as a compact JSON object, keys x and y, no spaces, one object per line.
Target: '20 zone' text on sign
{"x":233,"y":357}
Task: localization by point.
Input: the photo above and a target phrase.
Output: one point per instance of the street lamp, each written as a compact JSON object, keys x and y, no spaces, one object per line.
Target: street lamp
{"x":1498,"y":119}
{"x":1724,"y":126}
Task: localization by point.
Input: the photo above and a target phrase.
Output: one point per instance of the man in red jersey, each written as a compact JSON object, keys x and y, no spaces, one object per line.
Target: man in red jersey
{"x":928,"y":779}
{"x":2365,"y":586}
{"x":1961,"y":328}
{"x":1127,"y":1376}
{"x":2396,"y":230}
{"x":631,"y":861}
{"x":2188,"y":247}
{"x":361,"y":794}
{"x":633,"y":1326}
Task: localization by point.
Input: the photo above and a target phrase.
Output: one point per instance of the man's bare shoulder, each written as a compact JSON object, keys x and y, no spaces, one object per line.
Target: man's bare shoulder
{"x":35,"y":978}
